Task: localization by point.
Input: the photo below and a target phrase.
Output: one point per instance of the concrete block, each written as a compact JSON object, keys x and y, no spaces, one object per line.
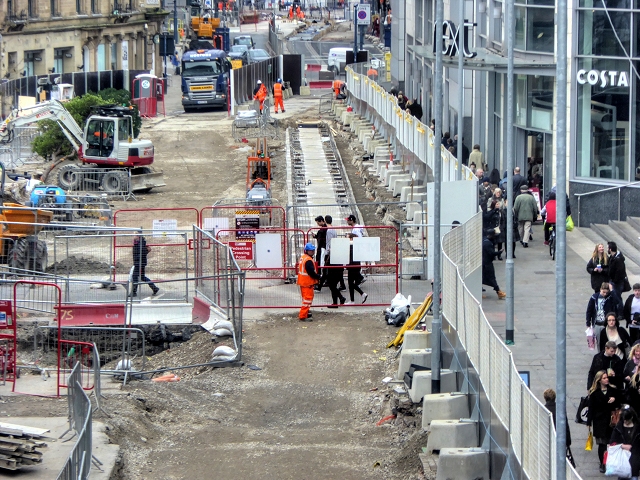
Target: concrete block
{"x":452,"y":434}
{"x":364,"y":134}
{"x":388,"y":172}
{"x":383,"y":150}
{"x":404,"y":181}
{"x":411,"y":209}
{"x":377,"y":159}
{"x":346,"y":118}
{"x":399,"y":185}
{"x":418,"y":217}
{"x":416,"y":338}
{"x":463,"y":464}
{"x":409,"y":356}
{"x":393,"y":177}
{"x":443,"y":406}
{"x":421,"y":384}
{"x":305,"y":91}
{"x":405,"y":193}
{"x":370,"y":143}
{"x":382,"y":165}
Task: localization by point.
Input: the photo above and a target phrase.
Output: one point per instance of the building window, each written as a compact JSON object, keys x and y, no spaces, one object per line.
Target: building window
{"x":596,"y":35}
{"x":95,"y":8}
{"x":55,"y":10}
{"x":428,"y":21}
{"x":79,"y":9}
{"x":497,"y":15}
{"x":603,"y":115}
{"x":101,"y":57}
{"x":31,"y":9}
{"x":58,"y":60}
{"x":114,"y":56}
{"x":535,"y":26}
{"x":419,"y":20}
{"x":30,"y":63}
{"x":10,"y":8}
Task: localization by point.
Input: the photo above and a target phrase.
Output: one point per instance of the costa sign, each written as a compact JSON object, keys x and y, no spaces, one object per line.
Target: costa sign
{"x":450,"y":35}
{"x":603,"y":78}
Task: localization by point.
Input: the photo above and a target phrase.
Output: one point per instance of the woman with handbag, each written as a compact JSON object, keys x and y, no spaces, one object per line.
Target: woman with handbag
{"x":627,"y":434}
{"x":497,"y":207}
{"x":603,"y":400}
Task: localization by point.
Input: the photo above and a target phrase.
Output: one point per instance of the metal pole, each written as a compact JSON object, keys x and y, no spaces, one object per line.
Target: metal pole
{"x":561,"y":245}
{"x":509,"y":268}
{"x":355,"y":33}
{"x":175,"y":24}
{"x":460,"y":89}
{"x":436,"y":325}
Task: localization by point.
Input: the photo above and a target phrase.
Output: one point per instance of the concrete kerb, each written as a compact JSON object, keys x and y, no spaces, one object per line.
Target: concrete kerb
{"x":462,"y":463}
{"x":416,"y":339}
{"x":421,"y":384}
{"x":462,"y":433}
{"x":444,"y":406}
{"x":412,"y":356}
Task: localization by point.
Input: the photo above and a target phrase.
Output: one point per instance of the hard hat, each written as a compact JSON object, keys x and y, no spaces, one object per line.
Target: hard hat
{"x":309,"y":246}
{"x":259,"y":82}
{"x":279,"y":80}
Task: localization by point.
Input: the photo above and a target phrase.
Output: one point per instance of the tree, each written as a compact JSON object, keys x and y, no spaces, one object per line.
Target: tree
{"x":52,"y":143}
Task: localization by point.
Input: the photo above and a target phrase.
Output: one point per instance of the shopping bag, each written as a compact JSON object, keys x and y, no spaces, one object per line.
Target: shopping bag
{"x":583,"y":410}
{"x":618,"y":462}
{"x":589,"y":445}
{"x":591,"y":338}
{"x":570,"y":224}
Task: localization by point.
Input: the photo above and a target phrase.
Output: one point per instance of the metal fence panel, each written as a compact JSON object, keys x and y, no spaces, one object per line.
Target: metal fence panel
{"x":18,"y":151}
{"x":113,"y":182}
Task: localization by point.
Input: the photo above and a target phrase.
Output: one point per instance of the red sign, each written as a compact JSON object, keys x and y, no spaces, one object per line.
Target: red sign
{"x":242,"y":250}
{"x":86,"y":315}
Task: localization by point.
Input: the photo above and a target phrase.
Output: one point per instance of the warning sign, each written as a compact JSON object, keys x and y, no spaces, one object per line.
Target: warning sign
{"x":247,"y":224}
{"x":242,"y":250}
{"x":164,"y":227}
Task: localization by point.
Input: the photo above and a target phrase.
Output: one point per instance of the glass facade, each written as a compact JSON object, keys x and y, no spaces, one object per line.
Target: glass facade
{"x":534,"y":101}
{"x":535,"y":25}
{"x":607,"y":141}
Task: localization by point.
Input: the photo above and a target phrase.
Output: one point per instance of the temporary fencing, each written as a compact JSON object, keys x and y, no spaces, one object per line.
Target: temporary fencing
{"x":115,"y":182}
{"x":18,"y":151}
{"x":8,"y":343}
{"x":371,"y":100}
{"x":78,"y":464}
{"x":517,"y":428}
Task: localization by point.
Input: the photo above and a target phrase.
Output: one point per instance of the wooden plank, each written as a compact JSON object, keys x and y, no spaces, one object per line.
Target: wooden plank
{"x":38,"y":432}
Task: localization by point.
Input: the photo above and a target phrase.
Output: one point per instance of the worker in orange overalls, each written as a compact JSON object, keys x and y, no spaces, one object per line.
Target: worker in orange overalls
{"x":298,"y":11}
{"x":277,"y":95}
{"x":307,"y":278}
{"x":291,"y":12}
{"x":338,"y":87}
{"x":260,"y":93}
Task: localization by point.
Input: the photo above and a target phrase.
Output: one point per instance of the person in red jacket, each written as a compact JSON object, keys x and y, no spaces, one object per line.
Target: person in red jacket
{"x":277,"y":95}
{"x":307,"y":278}
{"x":549,"y":210}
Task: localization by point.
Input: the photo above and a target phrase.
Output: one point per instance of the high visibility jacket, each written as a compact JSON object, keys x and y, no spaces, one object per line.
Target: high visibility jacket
{"x":337,"y":85}
{"x":277,"y":89}
{"x":372,"y":72}
{"x":304,"y":280}
{"x":261,"y":94}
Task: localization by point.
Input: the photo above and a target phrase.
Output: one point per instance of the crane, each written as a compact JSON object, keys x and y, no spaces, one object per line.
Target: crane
{"x":106,"y":142}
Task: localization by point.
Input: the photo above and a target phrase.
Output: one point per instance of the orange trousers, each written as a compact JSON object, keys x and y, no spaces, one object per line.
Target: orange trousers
{"x":307,"y":300}
{"x":278,"y":102}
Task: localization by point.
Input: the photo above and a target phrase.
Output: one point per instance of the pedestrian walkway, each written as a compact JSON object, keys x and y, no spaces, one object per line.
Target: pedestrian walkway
{"x":535,"y":324}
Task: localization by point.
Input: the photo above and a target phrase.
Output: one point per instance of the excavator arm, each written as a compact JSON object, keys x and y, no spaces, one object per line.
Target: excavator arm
{"x":51,"y":110}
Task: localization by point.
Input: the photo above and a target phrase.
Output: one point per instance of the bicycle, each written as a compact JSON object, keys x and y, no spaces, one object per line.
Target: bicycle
{"x":552,"y":242}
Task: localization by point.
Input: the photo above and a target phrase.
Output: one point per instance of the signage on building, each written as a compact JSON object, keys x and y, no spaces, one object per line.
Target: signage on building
{"x":363,"y":14}
{"x":603,"y":78}
{"x":450,"y":36}
{"x":125,"y":54}
{"x":155,"y":3}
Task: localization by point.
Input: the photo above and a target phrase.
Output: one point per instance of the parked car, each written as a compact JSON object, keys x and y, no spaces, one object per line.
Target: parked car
{"x":244,"y":40}
{"x":236,"y":52}
{"x":255,"y":55}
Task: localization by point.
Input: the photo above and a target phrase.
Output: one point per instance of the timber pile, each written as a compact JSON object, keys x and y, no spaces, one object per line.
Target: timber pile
{"x":19,"y":444}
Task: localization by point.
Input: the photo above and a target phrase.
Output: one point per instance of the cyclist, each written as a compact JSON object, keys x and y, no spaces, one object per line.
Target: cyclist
{"x":549,"y":214}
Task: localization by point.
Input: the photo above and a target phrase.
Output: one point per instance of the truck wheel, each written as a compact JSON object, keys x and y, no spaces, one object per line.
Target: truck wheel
{"x":115,"y":182}
{"x":42,"y":256}
{"x":28,"y":255}
{"x":69,"y":177}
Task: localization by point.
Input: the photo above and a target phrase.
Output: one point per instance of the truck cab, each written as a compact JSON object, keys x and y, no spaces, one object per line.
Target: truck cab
{"x":205,"y":79}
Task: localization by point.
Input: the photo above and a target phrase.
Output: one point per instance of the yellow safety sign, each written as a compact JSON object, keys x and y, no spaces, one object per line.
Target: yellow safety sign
{"x":235,"y":64}
{"x":387,"y":63}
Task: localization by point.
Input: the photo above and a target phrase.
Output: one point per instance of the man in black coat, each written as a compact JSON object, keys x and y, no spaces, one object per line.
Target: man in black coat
{"x":607,"y":360}
{"x":617,"y":270}
{"x":518,"y":181}
{"x":489,"y":253}
{"x":140,"y":252}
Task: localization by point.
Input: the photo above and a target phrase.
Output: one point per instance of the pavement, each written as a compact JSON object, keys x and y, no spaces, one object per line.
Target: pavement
{"x":535,"y":323}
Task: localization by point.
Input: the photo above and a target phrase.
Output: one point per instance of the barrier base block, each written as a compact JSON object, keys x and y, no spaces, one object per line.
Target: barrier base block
{"x":463,"y":464}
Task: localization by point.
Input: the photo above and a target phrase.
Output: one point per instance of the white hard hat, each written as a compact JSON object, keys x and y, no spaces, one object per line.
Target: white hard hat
{"x":259,"y":82}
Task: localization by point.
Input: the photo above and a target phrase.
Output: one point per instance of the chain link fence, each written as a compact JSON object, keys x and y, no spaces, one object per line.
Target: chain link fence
{"x":18,"y":152}
{"x":517,"y":428}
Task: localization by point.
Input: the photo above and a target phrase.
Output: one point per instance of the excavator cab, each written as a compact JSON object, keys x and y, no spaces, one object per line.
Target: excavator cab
{"x":259,"y":175}
{"x":101,"y":136}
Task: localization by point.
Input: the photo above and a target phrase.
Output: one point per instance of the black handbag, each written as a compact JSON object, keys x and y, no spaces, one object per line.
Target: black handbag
{"x":583,"y":410}
{"x":626,"y":287}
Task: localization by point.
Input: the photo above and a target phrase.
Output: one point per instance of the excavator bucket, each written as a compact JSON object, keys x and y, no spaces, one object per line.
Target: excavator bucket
{"x":147,"y":181}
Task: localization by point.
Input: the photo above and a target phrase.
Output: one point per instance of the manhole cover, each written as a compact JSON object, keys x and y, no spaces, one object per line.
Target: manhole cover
{"x":545,"y":273}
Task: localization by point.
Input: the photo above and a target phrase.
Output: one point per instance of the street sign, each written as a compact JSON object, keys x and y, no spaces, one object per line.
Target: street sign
{"x":363,"y":14}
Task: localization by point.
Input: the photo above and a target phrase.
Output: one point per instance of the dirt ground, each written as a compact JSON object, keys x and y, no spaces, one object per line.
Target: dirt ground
{"x":309,"y":409}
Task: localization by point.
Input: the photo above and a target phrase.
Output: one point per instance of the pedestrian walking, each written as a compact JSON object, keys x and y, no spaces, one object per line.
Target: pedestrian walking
{"x":598,"y":268}
{"x":627,"y":434}
{"x":549,"y":396}
{"x":631,"y":367}
{"x":613,"y":332}
{"x":617,"y":270}
{"x":277,"y":96}
{"x":476,"y":157}
{"x":526,"y":210}
{"x":607,"y":360}
{"x":631,"y":313}
{"x":307,"y":278}
{"x":260,"y":93}
{"x":140,"y":252}
{"x":488,"y":272}
{"x":604,"y":398}
{"x":354,"y":276}
{"x":600,"y":304}
{"x":321,"y":250}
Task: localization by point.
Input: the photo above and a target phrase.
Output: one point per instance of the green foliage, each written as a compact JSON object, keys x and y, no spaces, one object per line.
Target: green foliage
{"x":53,"y":143}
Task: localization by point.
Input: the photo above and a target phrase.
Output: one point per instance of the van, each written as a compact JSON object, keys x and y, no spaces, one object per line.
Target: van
{"x":337,"y":57}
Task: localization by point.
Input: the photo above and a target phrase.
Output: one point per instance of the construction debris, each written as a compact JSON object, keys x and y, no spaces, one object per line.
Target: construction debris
{"x":18,"y":446}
